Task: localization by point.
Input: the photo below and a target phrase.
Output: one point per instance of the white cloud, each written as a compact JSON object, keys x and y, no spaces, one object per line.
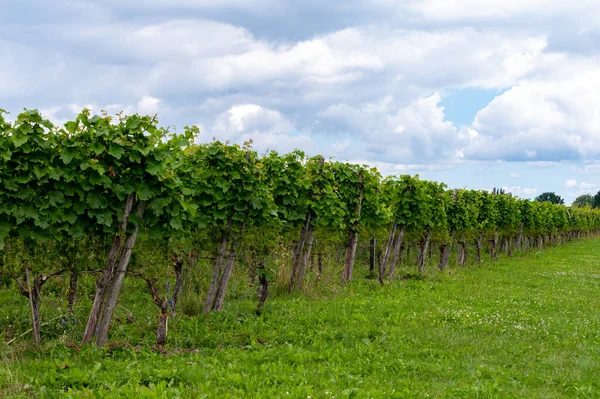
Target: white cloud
{"x":587,"y":168}
{"x":515,"y":175}
{"x":260,"y":7}
{"x":377,"y":84}
{"x":265,"y":127}
{"x":588,"y":186}
{"x":174,"y":53}
{"x":541,"y":164}
{"x":50,"y":113}
{"x":235,"y":57}
{"x":246,"y":118}
{"x":521,"y":191}
{"x":584,"y":187}
{"x":485,"y":10}
{"x":391,"y":168}
{"x":415,"y":132}
{"x":148,"y":105}
{"x":378,"y":132}
{"x":571,"y":183}
{"x":550,"y":118}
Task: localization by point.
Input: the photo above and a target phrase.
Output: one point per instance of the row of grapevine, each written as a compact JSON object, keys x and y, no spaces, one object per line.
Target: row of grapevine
{"x":78,"y":198}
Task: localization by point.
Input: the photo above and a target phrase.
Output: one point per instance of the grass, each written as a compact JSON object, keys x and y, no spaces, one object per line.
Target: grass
{"x":526,"y":327}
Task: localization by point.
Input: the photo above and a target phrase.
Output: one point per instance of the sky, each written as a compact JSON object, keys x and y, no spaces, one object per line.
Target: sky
{"x":474,"y":93}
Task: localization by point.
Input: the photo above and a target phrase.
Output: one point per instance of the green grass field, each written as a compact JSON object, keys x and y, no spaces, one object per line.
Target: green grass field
{"x":526,"y":327}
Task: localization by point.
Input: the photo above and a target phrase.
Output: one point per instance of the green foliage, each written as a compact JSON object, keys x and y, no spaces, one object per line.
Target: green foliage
{"x":350,"y":186}
{"x":583,"y":200}
{"x":285,"y":176}
{"x":324,"y":197}
{"x":596,"y":200}
{"x":550,"y":197}
{"x":509,"y":212}
{"x":31,"y":204}
{"x":225,"y":181}
{"x":420,"y":205}
{"x":107,"y":160}
{"x":487,"y":213}
{"x":63,"y":194}
{"x":72,"y":183}
{"x":376,"y":208}
{"x":462,"y":210}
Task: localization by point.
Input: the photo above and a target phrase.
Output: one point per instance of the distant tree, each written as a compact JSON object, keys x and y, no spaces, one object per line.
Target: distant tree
{"x":498,"y":191}
{"x":550,"y":197}
{"x":596,"y":203}
{"x":584,"y":200}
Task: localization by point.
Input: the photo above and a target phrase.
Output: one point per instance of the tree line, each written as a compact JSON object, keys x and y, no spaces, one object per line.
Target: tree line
{"x":584,"y":200}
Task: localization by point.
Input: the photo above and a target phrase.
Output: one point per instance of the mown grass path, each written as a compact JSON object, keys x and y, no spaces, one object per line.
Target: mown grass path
{"x":525,"y":327}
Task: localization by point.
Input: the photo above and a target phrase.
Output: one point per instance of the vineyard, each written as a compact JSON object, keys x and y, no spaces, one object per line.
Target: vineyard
{"x":116,"y":198}
{"x":113,"y":227}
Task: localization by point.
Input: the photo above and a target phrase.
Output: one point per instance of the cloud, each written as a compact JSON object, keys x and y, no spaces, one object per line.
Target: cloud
{"x":550,"y":118}
{"x":588,"y":186}
{"x":391,"y":168}
{"x":255,"y":5}
{"x":584,"y":187}
{"x":364,"y":79}
{"x":249,"y":118}
{"x":521,"y":191}
{"x":487,"y":10}
{"x":377,"y":133}
{"x":376,"y":88}
{"x":148,"y":105}
{"x":288,"y":18}
{"x":571,"y":183}
{"x":515,"y":175}
{"x":267,"y":128}
{"x":541,"y":164}
{"x":389,"y":133}
{"x":589,"y":167}
{"x":121,"y":61}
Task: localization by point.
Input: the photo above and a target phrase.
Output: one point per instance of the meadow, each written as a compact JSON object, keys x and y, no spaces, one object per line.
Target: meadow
{"x":523,"y":326}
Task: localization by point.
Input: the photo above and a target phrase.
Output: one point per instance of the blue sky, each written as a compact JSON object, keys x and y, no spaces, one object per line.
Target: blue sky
{"x":475,"y":93}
